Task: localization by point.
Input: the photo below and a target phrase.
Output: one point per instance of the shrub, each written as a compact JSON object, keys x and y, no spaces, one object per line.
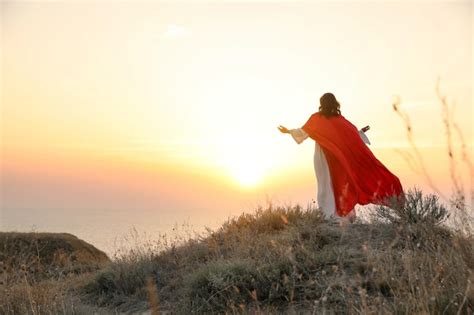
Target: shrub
{"x":416,"y":209}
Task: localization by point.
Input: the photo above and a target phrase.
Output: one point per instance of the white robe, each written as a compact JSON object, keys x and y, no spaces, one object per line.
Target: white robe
{"x":325,"y":194}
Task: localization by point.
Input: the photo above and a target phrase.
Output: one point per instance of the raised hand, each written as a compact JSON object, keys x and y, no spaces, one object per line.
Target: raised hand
{"x":283,"y":129}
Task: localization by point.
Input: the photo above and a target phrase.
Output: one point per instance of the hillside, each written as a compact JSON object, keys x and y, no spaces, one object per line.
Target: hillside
{"x":38,"y":271}
{"x":48,"y":253}
{"x":293,"y":260}
{"x":276,"y":260}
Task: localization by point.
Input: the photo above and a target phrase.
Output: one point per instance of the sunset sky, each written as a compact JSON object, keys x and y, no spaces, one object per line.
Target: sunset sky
{"x":173,"y":108}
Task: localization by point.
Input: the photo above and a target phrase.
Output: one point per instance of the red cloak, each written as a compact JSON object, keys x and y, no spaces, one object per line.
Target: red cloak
{"x":357,"y":176}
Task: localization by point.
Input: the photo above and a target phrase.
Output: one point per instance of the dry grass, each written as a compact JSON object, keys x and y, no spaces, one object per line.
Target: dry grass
{"x":277,"y":260}
{"x":40,"y":272}
{"x":293,"y":260}
{"x":49,"y":256}
{"x":46,"y":297}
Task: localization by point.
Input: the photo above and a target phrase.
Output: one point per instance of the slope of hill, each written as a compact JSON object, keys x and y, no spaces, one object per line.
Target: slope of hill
{"x":48,"y":253}
{"x":39,"y":271}
{"x":277,"y":260}
{"x":292,"y":260}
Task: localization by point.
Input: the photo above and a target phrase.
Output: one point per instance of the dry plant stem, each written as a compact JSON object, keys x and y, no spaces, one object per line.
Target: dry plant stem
{"x":447,"y":121}
{"x":464,"y":154}
{"x":464,"y":298}
{"x":152,"y":296}
{"x":418,"y":159}
{"x":28,"y":292}
{"x":466,"y":159}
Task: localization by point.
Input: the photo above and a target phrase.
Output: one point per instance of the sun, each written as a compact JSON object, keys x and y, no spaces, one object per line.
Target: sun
{"x":245,"y":164}
{"x":247,"y":175}
{"x":235,"y":121}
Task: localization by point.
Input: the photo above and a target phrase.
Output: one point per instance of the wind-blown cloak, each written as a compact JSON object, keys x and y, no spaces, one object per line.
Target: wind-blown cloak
{"x":357,"y":176}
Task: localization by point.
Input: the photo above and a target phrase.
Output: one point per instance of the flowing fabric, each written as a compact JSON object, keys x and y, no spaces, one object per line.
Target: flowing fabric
{"x":357,"y":176}
{"x":325,"y":194}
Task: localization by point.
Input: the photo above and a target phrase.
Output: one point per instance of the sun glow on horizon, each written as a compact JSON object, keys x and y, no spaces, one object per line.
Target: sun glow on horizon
{"x":245,"y":162}
{"x":241,"y":125}
{"x":175,"y":102}
{"x":247,"y":175}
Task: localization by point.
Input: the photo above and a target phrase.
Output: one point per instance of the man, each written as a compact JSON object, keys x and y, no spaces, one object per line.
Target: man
{"x":347,"y":171}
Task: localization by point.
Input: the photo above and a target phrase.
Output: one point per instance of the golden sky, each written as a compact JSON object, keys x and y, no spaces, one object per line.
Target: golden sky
{"x":174,"y":107}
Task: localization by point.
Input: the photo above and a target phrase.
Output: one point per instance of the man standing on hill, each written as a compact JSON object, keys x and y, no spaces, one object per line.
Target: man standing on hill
{"x":347,"y":171}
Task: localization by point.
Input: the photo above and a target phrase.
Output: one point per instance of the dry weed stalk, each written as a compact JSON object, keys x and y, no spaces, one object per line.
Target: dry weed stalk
{"x":152,"y":296}
{"x":416,"y":162}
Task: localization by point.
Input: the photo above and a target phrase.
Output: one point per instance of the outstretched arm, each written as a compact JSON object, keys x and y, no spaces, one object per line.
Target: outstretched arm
{"x":283,"y":129}
{"x":299,"y":135}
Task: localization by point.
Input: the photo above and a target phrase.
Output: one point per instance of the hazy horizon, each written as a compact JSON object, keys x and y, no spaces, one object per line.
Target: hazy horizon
{"x":172,"y":108}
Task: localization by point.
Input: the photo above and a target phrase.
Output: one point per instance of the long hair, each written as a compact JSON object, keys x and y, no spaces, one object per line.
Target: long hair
{"x":329,"y":105}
